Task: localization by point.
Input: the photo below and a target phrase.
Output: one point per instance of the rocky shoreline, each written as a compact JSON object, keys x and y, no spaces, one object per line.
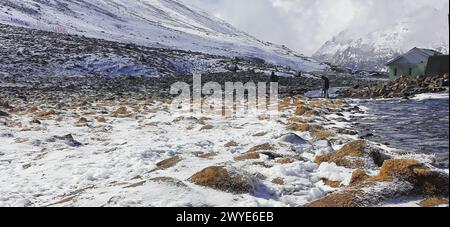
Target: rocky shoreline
{"x":404,"y":87}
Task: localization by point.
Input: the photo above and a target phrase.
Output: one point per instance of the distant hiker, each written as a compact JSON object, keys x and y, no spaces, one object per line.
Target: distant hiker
{"x":273,"y":78}
{"x":326,"y":87}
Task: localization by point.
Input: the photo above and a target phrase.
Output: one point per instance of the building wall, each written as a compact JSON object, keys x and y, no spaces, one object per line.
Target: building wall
{"x":403,"y":70}
{"x":438,"y":65}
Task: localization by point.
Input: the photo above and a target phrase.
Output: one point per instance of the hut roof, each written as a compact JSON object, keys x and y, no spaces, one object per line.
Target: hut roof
{"x":414,"y":56}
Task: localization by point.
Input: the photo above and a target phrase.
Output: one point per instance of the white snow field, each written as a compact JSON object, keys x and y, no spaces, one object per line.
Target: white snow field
{"x":117,"y":161}
{"x":124,"y":151}
{"x":153,"y":23}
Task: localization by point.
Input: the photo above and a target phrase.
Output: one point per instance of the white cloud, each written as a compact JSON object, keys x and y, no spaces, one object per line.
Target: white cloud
{"x":305,"y":25}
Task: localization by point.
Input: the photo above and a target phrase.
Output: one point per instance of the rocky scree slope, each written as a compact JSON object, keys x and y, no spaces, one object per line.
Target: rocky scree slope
{"x":41,"y":53}
{"x":167,"y":24}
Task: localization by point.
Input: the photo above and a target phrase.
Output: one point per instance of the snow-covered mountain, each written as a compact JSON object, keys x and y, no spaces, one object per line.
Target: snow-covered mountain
{"x":427,"y":28}
{"x":153,"y":23}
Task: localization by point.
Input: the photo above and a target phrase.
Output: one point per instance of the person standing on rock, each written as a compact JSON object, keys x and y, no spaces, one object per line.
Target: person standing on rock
{"x":326,"y":87}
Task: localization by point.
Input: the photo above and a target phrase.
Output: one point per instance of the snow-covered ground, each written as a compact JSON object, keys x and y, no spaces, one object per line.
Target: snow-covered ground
{"x":427,"y":96}
{"x":124,"y":151}
{"x":116,"y":161}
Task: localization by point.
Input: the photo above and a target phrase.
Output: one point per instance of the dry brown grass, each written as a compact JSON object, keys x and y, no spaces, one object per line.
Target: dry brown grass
{"x":434,"y":202}
{"x":45,"y":113}
{"x":300,"y":127}
{"x":264,"y":117}
{"x":296,"y":120}
{"x":278,"y":181}
{"x":259,"y":134}
{"x":121,"y":112}
{"x":170,"y":162}
{"x":285,"y":160}
{"x":301,"y":110}
{"x":261,"y":147}
{"x":323,"y":134}
{"x":32,"y":109}
{"x":340,"y":102}
{"x":426,"y":181}
{"x":217,"y":177}
{"x":345,"y":198}
{"x":340,"y":157}
{"x":330,"y":183}
{"x":82,"y":120}
{"x":358,"y":176}
{"x":101,"y":119}
{"x":231,"y":144}
{"x":247,"y":156}
{"x":311,"y":113}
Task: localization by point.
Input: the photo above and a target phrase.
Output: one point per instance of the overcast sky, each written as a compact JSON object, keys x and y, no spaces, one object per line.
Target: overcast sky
{"x":304,"y":25}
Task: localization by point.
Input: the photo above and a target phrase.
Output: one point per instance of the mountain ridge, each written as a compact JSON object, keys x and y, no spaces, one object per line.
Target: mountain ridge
{"x":153,"y":23}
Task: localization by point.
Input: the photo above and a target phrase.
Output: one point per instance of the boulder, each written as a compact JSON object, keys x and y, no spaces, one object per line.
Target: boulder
{"x":293,"y":139}
{"x":69,"y":140}
{"x":4,"y":114}
{"x":169,"y":181}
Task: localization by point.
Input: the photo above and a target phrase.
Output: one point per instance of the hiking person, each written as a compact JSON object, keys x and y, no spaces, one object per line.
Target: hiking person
{"x":273,"y":78}
{"x":326,"y":87}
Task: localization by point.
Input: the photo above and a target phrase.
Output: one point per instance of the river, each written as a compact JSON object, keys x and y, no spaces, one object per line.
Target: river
{"x":418,"y":125}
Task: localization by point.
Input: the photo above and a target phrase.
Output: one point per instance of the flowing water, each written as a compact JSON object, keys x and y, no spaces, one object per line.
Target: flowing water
{"x":419,"y":125}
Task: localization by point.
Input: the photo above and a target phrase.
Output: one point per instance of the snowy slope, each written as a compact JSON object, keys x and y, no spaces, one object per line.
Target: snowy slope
{"x":373,"y":49}
{"x":153,"y":23}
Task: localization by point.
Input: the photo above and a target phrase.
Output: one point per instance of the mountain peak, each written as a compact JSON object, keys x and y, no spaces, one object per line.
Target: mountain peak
{"x":369,"y":50}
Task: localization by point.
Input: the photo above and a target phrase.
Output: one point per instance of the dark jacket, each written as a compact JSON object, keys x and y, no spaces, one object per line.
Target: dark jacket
{"x":273,"y":78}
{"x":326,"y":83}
